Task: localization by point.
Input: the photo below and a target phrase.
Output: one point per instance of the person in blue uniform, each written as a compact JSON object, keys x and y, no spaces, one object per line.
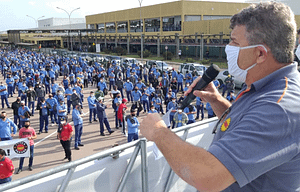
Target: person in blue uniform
{"x":190,"y":110}
{"x":145,"y":99}
{"x":23,"y":114}
{"x":179,"y":81}
{"x":102,"y":84}
{"x":5,"y":127}
{"x":136,"y":94}
{"x":10,"y":85}
{"x":53,"y":111}
{"x":4,"y":95}
{"x":132,"y":126}
{"x":102,"y":117}
{"x":128,"y":86}
{"x":111,"y":79}
{"x":200,"y":108}
{"x":44,"y":115}
{"x":78,"y":124}
{"x":61,"y":111}
{"x":173,"y":107}
{"x":92,"y":106}
{"x":68,"y":93}
{"x":156,"y":101}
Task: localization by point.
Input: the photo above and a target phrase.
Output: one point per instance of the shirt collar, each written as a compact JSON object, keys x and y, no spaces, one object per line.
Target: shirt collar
{"x":278,"y":74}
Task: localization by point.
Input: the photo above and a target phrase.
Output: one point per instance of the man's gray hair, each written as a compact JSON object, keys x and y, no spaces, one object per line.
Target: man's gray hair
{"x":272,"y":24}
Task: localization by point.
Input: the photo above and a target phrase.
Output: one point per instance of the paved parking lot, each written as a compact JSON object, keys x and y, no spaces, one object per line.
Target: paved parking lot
{"x":48,"y":152}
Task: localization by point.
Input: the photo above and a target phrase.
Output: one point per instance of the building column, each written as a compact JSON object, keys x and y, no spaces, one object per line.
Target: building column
{"x":128,"y":44}
{"x":105,"y":42}
{"x":221,"y":42}
{"x":158,"y":45}
{"x":116,"y":41}
{"x":87,"y":41}
{"x":142,"y":45}
{"x":177,"y":44}
{"x":196,"y":42}
{"x":201,"y":47}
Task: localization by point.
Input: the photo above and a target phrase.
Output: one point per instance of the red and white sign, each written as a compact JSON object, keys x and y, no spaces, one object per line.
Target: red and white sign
{"x":16,"y":148}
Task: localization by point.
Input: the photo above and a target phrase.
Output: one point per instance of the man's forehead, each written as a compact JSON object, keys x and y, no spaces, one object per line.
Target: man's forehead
{"x":238,"y":33}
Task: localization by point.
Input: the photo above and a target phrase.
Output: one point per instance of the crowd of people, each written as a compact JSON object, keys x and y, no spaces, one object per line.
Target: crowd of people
{"x":33,"y":78}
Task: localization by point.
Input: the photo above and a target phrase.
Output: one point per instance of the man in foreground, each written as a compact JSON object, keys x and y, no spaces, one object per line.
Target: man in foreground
{"x":257,"y":139}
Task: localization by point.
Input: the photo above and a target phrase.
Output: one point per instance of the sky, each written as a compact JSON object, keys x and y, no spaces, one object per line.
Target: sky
{"x":13,"y":12}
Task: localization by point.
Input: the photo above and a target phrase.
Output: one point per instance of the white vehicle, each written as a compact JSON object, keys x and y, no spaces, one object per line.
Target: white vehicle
{"x":224,"y":74}
{"x":160,"y":65}
{"x":200,"y":69}
{"x":117,"y":59}
{"x":129,"y":61}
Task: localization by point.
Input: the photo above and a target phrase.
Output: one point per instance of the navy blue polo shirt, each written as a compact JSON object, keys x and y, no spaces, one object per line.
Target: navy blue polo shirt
{"x":259,"y":141}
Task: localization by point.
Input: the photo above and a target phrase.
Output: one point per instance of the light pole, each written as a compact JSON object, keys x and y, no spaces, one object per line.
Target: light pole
{"x":142,"y":42}
{"x":69,"y":14}
{"x":36,"y":20}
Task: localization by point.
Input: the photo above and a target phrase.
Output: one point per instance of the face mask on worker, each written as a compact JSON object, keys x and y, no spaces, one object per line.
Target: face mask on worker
{"x":232,"y":53}
{"x":298,"y":52}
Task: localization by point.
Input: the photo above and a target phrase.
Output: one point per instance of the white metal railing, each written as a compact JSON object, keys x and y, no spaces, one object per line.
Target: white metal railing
{"x":140,"y":146}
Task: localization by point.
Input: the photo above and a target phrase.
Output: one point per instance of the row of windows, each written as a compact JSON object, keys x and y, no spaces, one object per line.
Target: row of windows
{"x":151,"y":25}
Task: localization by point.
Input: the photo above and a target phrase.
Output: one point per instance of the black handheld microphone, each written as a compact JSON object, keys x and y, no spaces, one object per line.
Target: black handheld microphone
{"x":210,"y":74}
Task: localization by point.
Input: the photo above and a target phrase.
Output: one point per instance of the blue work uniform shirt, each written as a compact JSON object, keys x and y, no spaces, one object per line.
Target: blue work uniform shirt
{"x":102,"y":85}
{"x":258,"y":141}
{"x":190,"y":116}
{"x":101,"y":111}
{"x":69,"y":91}
{"x":133,"y":127}
{"x":128,"y":86}
{"x":52,"y":102}
{"x":76,"y":117}
{"x":92,"y":102}
{"x":5,"y":128}
{"x":61,"y":107}
{"x":136,"y":95}
{"x":21,"y":112}
{"x":2,"y":87}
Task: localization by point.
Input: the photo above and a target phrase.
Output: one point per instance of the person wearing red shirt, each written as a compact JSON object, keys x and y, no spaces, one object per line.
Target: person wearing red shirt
{"x":27,"y":132}
{"x":121,"y":111}
{"x":6,"y":168}
{"x":64,"y":133}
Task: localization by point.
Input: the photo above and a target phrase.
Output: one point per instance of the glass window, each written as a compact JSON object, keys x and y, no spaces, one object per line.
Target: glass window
{"x":186,"y":67}
{"x":192,"y":68}
{"x":110,"y":27}
{"x":100,"y":27}
{"x":122,"y":27}
{"x":215,"y":17}
{"x":91,"y":26}
{"x":152,"y":25}
{"x":172,"y":23}
{"x":192,"y":18}
{"x":135,"y":26}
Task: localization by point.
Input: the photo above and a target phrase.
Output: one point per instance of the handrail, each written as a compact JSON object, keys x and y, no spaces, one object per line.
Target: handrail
{"x":186,"y":129}
{"x":140,"y":146}
{"x":69,"y":165}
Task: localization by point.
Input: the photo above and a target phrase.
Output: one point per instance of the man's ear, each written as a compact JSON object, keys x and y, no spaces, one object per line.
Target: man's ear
{"x":261,"y":54}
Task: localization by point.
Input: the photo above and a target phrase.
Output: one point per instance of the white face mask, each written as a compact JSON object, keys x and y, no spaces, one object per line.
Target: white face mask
{"x":232,"y":53}
{"x":298,"y":52}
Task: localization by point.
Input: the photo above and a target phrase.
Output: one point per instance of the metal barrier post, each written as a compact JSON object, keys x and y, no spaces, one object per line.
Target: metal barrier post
{"x":67,"y":179}
{"x":172,"y":173}
{"x":144,"y":165}
{"x":128,"y":168}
